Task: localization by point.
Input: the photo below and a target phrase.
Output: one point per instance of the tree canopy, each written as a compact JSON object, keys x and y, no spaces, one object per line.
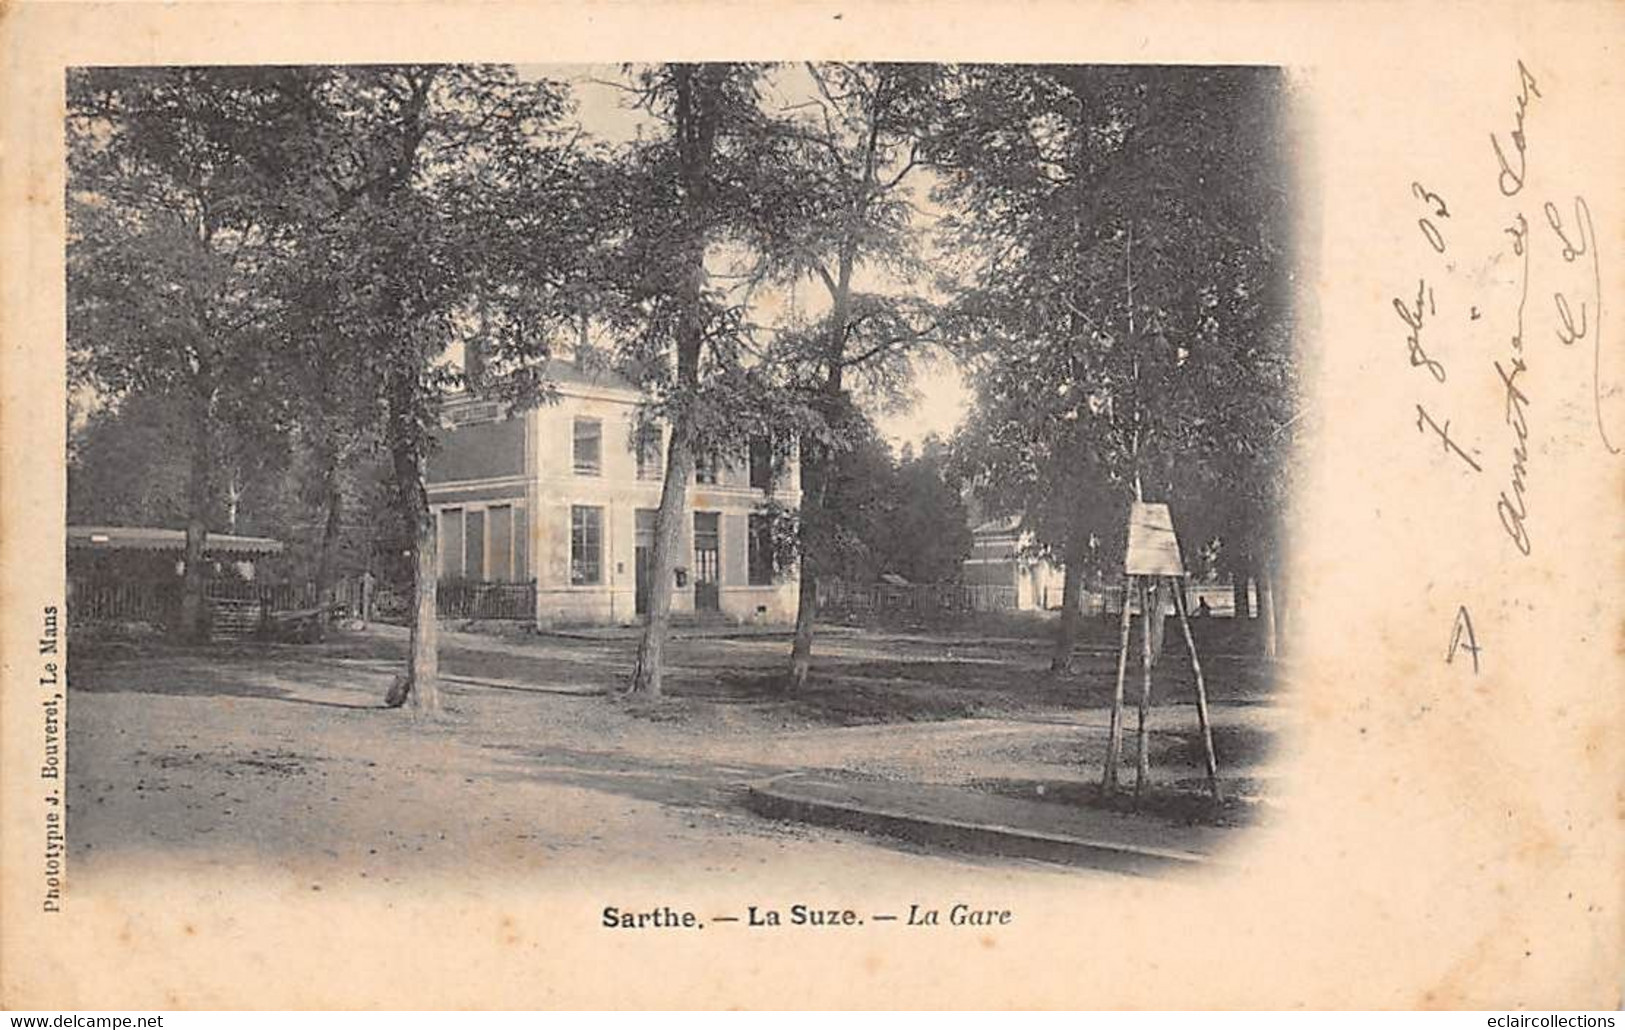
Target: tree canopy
{"x":1123,"y":297}
{"x":287,"y":269}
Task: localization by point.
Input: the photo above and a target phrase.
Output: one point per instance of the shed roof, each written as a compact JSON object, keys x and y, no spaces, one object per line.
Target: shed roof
{"x":1003,"y":526}
{"x":146,"y":538}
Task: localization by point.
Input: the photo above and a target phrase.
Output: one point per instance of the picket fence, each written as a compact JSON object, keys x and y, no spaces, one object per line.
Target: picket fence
{"x":835,"y":595}
{"x":237,"y":608}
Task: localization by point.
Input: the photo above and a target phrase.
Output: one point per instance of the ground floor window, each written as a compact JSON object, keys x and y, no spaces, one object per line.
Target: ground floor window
{"x":586,"y":545}
{"x":486,"y":544}
{"x":451,"y":543}
{"x":505,"y":533}
{"x":474,"y":545}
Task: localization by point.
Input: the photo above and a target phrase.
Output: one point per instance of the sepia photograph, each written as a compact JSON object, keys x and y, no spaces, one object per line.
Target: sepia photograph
{"x":900,"y":506}
{"x":773,"y":460}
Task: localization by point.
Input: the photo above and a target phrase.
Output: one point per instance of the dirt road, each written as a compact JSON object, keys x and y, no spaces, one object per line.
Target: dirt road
{"x":283,"y":758}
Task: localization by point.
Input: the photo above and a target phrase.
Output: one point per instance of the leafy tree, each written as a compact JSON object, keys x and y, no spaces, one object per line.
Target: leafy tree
{"x":335,"y":423}
{"x":446,"y":207}
{"x":928,"y":534}
{"x":729,"y":198}
{"x":899,"y":514}
{"x":174,"y":185}
{"x":843,"y":216}
{"x":124,"y":469}
{"x":297,"y":248}
{"x":854,"y":541}
{"x":1029,"y":449}
{"x":686,"y":191}
{"x":1125,"y":293}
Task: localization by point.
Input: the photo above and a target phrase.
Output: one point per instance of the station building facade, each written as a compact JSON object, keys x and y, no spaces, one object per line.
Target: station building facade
{"x":564,"y":495}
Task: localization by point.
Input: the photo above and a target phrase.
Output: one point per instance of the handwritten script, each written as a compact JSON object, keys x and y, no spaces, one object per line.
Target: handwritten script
{"x":1541,"y":307}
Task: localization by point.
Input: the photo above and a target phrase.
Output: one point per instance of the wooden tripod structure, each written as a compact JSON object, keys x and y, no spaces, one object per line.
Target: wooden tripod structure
{"x":1153,"y":559}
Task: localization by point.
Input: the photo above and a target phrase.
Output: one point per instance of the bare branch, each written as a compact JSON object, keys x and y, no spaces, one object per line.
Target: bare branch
{"x":908,"y":166}
{"x":913,"y":337}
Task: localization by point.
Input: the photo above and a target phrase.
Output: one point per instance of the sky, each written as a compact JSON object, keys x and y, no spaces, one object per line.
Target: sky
{"x":938,"y":408}
{"x":602,"y":111}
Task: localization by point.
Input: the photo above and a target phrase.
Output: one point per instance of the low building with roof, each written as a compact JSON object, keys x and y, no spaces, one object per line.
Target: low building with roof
{"x":1002,"y":556}
{"x":133,"y":574}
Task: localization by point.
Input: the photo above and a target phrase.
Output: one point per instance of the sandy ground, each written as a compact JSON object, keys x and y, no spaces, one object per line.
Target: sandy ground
{"x":281,"y":757}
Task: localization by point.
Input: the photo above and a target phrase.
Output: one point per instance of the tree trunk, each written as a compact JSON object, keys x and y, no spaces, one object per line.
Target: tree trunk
{"x":806,"y":614}
{"x":647,"y":674}
{"x":194,"y":616}
{"x":1266,"y":608}
{"x":1280,"y":608}
{"x":1281,"y":613}
{"x":1239,"y":595}
{"x":695,"y":116}
{"x":812,"y":507}
{"x":1066,"y":634}
{"x":422,"y":684}
{"x":425,"y":644}
{"x":334,"y":497}
{"x":815,"y":459}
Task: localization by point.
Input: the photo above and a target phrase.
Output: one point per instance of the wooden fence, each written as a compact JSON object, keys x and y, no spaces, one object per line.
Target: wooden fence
{"x":472,"y":599}
{"x":122,"y":601}
{"x":836,"y":595}
{"x":236,"y":606}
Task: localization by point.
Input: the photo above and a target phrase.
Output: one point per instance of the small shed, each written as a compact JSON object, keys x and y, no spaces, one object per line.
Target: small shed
{"x":1001,"y":556}
{"x":133,"y":574}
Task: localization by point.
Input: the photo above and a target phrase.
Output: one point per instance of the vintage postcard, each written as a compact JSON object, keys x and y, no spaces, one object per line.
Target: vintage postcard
{"x":812,"y":505}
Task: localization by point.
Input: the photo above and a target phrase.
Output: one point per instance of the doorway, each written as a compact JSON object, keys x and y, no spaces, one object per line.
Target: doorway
{"x":643,"y":549}
{"x":707,"y":561}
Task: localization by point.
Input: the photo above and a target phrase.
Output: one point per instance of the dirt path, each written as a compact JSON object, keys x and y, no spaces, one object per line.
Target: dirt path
{"x":283,"y":756}
{"x":183,"y":763}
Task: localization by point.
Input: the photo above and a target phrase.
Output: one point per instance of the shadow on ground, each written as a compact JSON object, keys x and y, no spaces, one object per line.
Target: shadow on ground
{"x":234,"y":674}
{"x":683,"y":784}
{"x":1180,"y":807}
